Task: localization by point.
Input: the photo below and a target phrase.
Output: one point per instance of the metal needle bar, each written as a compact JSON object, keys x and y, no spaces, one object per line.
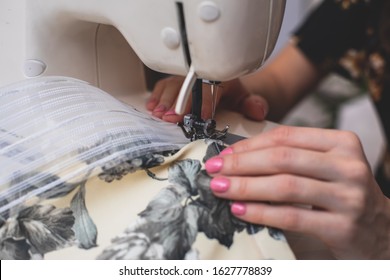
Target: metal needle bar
{"x":197,"y":99}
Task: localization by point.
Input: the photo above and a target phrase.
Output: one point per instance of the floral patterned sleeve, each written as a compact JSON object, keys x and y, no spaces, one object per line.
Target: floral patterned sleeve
{"x":331,"y":29}
{"x":351,"y":38}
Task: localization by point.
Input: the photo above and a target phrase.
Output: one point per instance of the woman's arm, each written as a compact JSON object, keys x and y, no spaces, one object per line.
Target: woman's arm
{"x":283,"y":81}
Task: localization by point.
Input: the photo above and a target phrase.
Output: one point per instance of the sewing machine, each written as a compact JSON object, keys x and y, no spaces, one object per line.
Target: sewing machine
{"x":110,"y":43}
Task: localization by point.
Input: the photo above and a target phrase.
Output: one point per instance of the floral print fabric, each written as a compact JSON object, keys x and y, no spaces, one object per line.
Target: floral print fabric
{"x":173,"y":212}
{"x":140,"y":191}
{"x":185,"y":208}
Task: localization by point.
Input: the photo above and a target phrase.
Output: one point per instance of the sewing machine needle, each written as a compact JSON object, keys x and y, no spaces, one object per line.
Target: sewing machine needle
{"x":214,"y":99}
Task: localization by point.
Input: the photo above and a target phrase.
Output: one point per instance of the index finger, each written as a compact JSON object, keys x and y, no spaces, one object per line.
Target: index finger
{"x":316,"y":139}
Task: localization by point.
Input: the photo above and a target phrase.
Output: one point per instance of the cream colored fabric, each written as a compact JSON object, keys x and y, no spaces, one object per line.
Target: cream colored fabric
{"x":114,"y":206}
{"x":62,"y":141}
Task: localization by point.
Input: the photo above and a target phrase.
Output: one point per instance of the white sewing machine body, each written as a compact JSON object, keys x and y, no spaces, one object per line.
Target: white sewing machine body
{"x":107,"y":43}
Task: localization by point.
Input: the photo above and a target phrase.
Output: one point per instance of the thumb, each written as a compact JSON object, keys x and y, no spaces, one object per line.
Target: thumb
{"x":237,"y":98}
{"x":253,"y":107}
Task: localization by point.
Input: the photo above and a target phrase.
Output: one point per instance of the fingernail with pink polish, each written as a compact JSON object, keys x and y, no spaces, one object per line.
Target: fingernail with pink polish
{"x":159,"y":109}
{"x":238,"y":208}
{"x":226,"y":151}
{"x":214,"y":165}
{"x":262,"y":112}
{"x":263,"y":109}
{"x":220,"y":184}
{"x":170,"y":113}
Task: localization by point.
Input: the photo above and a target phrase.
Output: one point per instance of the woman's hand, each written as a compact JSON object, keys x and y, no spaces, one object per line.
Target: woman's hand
{"x":232,"y":95}
{"x":273,"y":177}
